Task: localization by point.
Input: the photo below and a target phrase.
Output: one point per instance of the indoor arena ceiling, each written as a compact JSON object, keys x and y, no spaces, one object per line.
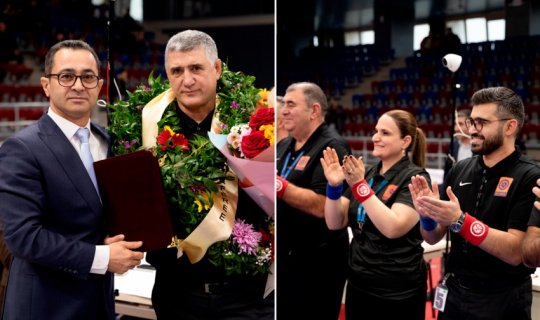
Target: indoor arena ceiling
{"x":359,"y":13}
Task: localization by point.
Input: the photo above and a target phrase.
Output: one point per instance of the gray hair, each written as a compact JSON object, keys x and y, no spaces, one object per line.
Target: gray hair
{"x":68,"y":44}
{"x":313,"y":94}
{"x":188,"y":40}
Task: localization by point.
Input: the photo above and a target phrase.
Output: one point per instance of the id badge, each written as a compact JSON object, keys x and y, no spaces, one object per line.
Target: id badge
{"x":439,"y":301}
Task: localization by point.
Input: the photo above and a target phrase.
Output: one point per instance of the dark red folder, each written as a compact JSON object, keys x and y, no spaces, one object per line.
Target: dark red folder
{"x":134,"y":199}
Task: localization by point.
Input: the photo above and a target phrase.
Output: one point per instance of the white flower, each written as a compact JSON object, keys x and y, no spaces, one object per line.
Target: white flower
{"x":234,"y":139}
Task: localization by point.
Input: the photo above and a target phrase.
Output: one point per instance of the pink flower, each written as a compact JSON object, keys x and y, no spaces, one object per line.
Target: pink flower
{"x":245,"y":237}
{"x":128,"y":144}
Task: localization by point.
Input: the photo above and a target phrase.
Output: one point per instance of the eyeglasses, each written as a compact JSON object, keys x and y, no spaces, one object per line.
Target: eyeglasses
{"x":89,"y":81}
{"x":479,"y":123}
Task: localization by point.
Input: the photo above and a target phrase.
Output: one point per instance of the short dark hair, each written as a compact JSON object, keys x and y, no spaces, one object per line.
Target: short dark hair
{"x":68,"y":44}
{"x":313,"y":94}
{"x":509,"y":104}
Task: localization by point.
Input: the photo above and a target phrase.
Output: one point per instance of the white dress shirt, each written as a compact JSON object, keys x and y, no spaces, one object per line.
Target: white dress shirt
{"x":98,"y":148}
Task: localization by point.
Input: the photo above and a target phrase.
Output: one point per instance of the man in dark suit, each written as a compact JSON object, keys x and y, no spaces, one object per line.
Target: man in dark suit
{"x":54,"y":226}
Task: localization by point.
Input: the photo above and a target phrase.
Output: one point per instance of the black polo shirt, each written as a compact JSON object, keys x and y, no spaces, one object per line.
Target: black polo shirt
{"x":248,"y":210}
{"x":387,"y":268}
{"x":500,"y":197}
{"x":298,"y":230}
{"x":190,"y":127}
{"x":534,"y":220}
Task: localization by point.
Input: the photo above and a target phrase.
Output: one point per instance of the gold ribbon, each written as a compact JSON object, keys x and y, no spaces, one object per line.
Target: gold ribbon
{"x":151,"y":114}
{"x":217,"y":224}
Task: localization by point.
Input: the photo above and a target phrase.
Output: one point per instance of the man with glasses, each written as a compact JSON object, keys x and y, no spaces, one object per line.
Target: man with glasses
{"x":53,"y":221}
{"x":485,"y":206}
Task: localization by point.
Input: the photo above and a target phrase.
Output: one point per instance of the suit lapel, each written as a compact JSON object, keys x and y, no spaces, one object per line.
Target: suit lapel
{"x":69,"y":160}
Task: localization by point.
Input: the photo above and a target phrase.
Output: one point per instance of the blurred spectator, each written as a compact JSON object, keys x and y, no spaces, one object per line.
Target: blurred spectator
{"x":10,"y":49}
{"x":130,"y":36}
{"x":32,"y":16}
{"x":120,"y":85}
{"x":451,"y":42}
{"x":431,"y":44}
{"x":461,"y":147}
{"x":335,"y":116}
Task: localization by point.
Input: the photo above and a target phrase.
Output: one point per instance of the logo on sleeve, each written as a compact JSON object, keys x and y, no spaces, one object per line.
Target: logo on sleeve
{"x":389,"y":191}
{"x":503,"y":186}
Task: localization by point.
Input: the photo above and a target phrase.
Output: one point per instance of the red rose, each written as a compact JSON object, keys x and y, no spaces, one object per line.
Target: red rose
{"x":268,"y":240}
{"x":261,"y":117}
{"x":254,"y":144}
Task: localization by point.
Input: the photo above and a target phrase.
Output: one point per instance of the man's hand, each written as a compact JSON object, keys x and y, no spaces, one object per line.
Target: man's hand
{"x":444,"y":212}
{"x":122,"y":258}
{"x":536,"y":191}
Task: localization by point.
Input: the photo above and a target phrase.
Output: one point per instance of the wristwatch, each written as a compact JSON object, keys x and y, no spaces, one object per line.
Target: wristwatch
{"x":456,"y":226}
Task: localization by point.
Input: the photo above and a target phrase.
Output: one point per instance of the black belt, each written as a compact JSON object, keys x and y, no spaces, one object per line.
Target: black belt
{"x":226,"y":286}
{"x":476,"y":284}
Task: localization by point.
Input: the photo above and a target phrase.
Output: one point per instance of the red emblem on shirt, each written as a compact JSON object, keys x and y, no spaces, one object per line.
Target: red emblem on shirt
{"x":503,"y":186}
{"x":302,"y":162}
{"x":389,"y":191}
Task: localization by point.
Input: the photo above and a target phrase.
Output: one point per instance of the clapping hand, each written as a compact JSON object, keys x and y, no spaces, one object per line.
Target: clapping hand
{"x":353,"y":169}
{"x":536,"y":191}
{"x":419,"y":187}
{"x":332,"y":169}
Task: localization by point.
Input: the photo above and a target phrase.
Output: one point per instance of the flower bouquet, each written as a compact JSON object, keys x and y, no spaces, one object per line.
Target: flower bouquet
{"x":250,"y":153}
{"x":194,"y":172}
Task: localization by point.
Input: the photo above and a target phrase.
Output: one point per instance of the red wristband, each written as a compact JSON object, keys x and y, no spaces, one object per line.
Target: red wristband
{"x":362,"y":191}
{"x":473,"y":230}
{"x":281,"y":185}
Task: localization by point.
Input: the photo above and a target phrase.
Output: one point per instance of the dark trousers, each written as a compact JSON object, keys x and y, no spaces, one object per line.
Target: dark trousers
{"x":239,"y":299}
{"x":310,"y":284}
{"x":465,"y":303}
{"x":359,"y":305}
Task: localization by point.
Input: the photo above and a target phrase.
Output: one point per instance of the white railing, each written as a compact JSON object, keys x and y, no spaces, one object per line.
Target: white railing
{"x":11,"y":125}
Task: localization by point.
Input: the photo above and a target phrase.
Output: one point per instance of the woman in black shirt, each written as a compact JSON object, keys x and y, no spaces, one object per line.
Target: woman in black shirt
{"x":387,"y":272}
